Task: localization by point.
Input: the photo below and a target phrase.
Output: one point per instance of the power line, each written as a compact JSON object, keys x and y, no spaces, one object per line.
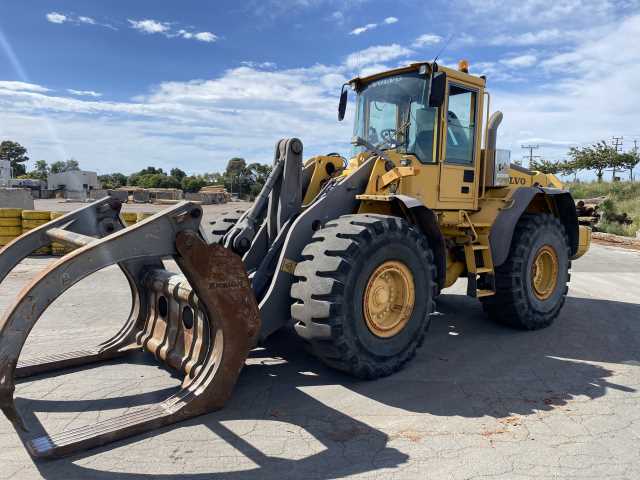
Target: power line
{"x":531,"y":148}
{"x":617,"y":143}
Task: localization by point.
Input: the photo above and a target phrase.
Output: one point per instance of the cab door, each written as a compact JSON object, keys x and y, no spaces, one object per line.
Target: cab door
{"x":458,"y":172}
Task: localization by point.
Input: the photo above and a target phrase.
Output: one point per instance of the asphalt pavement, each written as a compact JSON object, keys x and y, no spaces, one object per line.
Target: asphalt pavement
{"x":479,"y":400}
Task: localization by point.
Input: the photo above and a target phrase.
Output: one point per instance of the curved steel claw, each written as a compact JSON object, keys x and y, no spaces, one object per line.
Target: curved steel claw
{"x":203,"y":325}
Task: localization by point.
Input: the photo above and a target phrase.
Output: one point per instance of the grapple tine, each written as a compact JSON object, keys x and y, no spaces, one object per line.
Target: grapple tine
{"x":205,"y":331}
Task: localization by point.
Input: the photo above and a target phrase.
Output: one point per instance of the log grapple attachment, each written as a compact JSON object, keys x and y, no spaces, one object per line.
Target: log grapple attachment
{"x":233,"y":292}
{"x":202,"y":323}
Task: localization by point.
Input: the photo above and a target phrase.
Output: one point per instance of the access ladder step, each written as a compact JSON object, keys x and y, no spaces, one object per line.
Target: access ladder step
{"x":484,"y":293}
{"x":480,"y":270}
{"x":480,"y":247}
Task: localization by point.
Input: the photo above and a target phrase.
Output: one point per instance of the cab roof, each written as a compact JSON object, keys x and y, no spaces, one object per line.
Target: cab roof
{"x":451,"y":73}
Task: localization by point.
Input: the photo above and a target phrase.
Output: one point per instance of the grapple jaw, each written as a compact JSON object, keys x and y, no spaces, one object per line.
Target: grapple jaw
{"x":202,"y":323}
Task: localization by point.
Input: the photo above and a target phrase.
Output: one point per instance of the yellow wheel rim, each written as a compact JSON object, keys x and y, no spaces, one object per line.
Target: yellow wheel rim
{"x":544,"y":272}
{"x":389,"y":299}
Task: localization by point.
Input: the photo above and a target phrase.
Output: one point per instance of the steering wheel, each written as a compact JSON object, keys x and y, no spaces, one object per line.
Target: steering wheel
{"x":390,"y":137}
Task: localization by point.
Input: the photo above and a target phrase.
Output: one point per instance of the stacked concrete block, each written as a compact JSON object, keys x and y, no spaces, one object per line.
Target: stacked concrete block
{"x":16,"y":198}
{"x":121,"y":195}
{"x":98,"y":193}
{"x":141,"y":196}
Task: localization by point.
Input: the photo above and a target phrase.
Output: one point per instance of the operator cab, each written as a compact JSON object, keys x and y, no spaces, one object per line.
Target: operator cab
{"x":430,"y":112}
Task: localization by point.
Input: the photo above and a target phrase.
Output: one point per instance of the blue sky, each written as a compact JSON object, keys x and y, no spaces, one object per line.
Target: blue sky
{"x":122,"y":85}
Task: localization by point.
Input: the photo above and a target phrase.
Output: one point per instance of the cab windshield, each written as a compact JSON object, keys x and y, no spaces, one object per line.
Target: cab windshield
{"x":393,"y":113}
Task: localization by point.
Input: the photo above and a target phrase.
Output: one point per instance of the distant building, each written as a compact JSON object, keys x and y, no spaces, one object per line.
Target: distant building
{"x":5,"y":172}
{"x":73,"y":181}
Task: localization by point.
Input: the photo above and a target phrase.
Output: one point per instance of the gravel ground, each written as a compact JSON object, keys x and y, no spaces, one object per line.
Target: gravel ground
{"x":478,"y":401}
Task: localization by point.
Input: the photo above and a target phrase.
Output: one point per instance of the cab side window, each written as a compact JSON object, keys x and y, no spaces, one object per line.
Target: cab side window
{"x":461,"y":125}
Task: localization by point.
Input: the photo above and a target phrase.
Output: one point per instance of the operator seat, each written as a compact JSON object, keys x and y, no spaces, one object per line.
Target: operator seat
{"x":423,"y":144}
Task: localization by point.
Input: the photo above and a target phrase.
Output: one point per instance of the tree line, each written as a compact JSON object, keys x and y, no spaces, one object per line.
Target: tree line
{"x":16,"y":154}
{"x":245,"y":180}
{"x":597,"y":158}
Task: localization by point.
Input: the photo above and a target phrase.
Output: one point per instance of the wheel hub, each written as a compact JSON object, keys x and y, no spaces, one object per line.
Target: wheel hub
{"x":389,"y":299}
{"x":544,"y":272}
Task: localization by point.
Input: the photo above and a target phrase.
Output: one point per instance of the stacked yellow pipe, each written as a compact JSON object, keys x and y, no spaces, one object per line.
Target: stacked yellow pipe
{"x":129,"y":218}
{"x":142,"y":215}
{"x":32,"y":219}
{"x":10,"y":225}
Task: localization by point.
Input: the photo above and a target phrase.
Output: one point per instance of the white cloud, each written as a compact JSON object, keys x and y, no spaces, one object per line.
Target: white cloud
{"x":55,"y":17}
{"x":426,"y":39}
{"x":149,"y":26}
{"x":540,"y":37}
{"x":84,"y":93}
{"x":207,"y":37}
{"x":87,"y":20}
{"x":545,"y":12}
{"x":371,"y":26}
{"x":359,"y":30}
{"x":22,"y":86}
{"x":376,"y":54}
{"x":582,"y":105}
{"x":205,"y":122}
{"x":463,"y":39}
{"x":526,"y":60}
{"x":251,"y":64}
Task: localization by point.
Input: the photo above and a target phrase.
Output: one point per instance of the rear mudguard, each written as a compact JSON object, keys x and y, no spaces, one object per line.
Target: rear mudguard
{"x":505,"y":224}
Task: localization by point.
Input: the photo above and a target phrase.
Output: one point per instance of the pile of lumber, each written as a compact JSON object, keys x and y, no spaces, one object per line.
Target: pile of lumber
{"x":590,"y":213}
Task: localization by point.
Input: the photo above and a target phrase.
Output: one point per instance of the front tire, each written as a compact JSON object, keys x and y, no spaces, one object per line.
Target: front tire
{"x":364,"y":294}
{"x":531,"y":286}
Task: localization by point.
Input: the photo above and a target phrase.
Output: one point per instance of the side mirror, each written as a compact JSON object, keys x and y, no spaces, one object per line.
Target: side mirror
{"x":438,"y":89}
{"x":342,"y":106}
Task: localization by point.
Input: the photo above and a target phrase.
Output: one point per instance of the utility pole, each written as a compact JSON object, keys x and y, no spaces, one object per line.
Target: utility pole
{"x":635,"y":151}
{"x":531,"y":148}
{"x":617,"y":143}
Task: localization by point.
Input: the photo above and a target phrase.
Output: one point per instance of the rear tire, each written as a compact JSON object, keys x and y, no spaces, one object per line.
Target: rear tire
{"x":222,"y":224}
{"x":528,"y":297}
{"x":335,"y":303}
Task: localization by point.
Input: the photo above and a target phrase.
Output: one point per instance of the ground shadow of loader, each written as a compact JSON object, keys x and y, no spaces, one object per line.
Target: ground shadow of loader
{"x":468,"y":367}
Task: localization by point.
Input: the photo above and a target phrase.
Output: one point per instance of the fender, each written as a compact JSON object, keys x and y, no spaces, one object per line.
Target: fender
{"x":427,"y":221}
{"x":505,"y":224}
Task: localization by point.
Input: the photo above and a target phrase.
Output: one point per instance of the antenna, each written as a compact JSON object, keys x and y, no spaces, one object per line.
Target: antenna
{"x":444,"y":47}
{"x":446,"y":44}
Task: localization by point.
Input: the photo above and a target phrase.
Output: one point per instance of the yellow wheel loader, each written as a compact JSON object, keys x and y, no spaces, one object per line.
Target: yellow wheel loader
{"x":352,"y":252}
